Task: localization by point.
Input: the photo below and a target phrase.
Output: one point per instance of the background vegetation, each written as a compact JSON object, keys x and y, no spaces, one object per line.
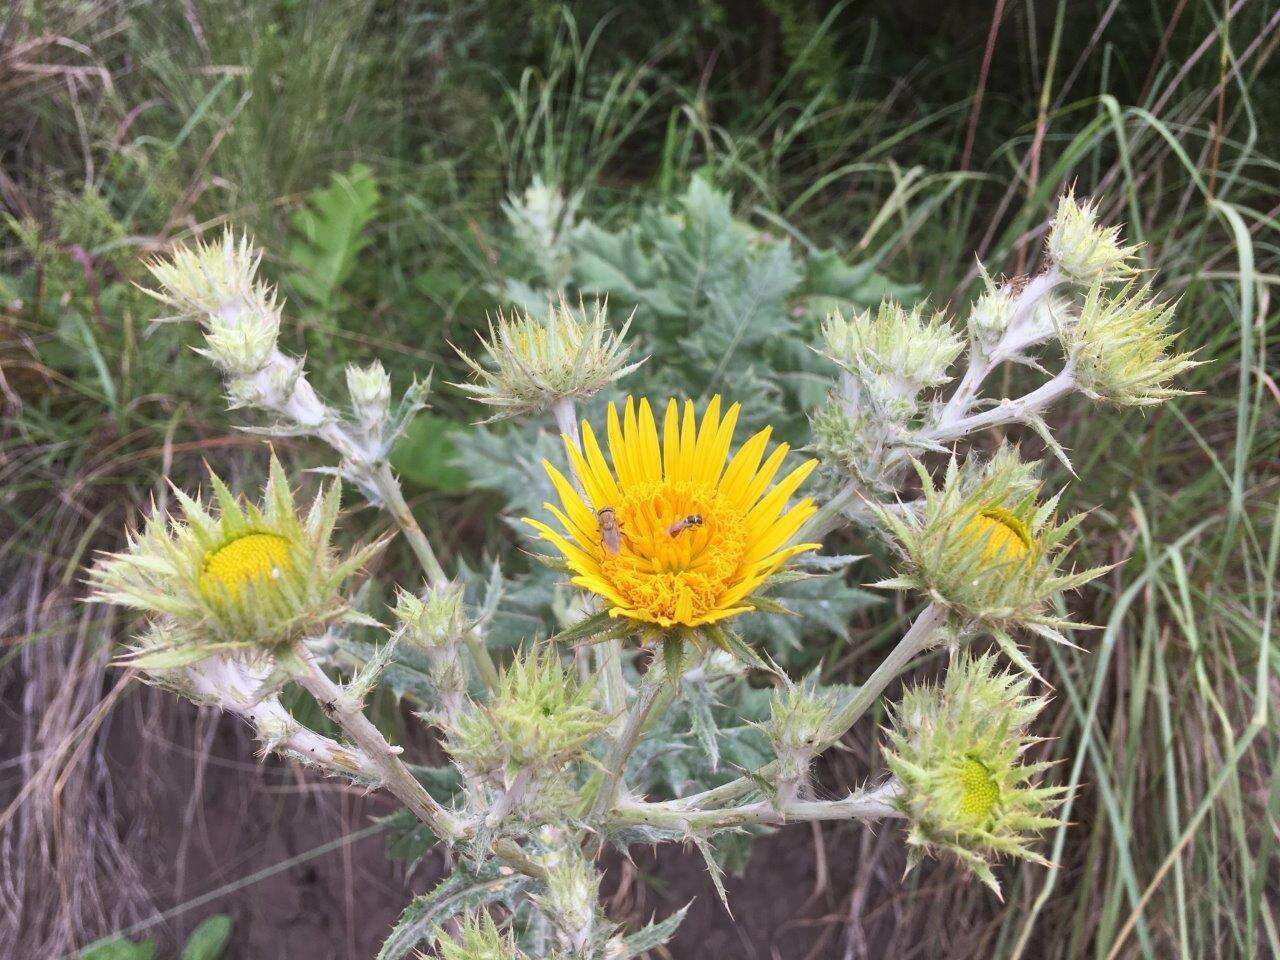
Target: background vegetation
{"x":381,"y":152}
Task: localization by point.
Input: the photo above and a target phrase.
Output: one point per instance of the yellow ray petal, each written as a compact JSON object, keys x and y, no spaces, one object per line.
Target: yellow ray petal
{"x":750,"y":492}
{"x":650,"y":454}
{"x":743,"y":465}
{"x":769,"y":505}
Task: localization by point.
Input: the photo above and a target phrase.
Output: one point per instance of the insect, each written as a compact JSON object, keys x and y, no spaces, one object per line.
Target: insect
{"x":692,"y":520}
{"x":610,"y":533}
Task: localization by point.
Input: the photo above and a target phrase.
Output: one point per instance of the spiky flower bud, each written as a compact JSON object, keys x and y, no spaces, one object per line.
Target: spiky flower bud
{"x":531,"y":363}
{"x":991,"y":315}
{"x":369,"y":388}
{"x":216,"y":284}
{"x":983,"y":546}
{"x":1119,"y":347}
{"x":572,"y":896}
{"x":240,"y":576}
{"x":799,"y":715}
{"x":477,"y":937}
{"x":542,"y":220}
{"x":539,"y":718}
{"x":1081,"y":249}
{"x":892,"y":354}
{"x":436,"y":619}
{"x":851,"y":442}
{"x":956,"y":750}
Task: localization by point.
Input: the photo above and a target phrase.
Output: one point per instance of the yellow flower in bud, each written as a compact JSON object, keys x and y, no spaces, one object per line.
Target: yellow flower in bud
{"x":983,"y":545}
{"x":254,"y":557}
{"x":240,"y":575}
{"x":957,"y":751}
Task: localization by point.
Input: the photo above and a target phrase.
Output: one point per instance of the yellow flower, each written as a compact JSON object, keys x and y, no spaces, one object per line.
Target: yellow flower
{"x":695,"y":537}
{"x":254,"y":557}
{"x":1002,"y":536}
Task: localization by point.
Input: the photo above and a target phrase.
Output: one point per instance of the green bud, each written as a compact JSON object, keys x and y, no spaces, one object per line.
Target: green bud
{"x":799,"y":715}
{"x":532,"y":363}
{"x":1081,"y":249}
{"x":436,"y":619}
{"x":893,"y":354}
{"x":476,"y":938}
{"x":538,"y":719}
{"x":956,"y":750}
{"x":217,"y":285}
{"x":1119,"y":347}
{"x":370,"y":390}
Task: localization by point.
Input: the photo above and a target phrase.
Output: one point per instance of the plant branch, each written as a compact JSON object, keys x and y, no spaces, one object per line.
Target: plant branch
{"x":1019,"y":335}
{"x":913,"y":642}
{"x":1007,"y":411}
{"x":384,"y":757}
{"x":872,"y":805}
{"x":615,"y":763}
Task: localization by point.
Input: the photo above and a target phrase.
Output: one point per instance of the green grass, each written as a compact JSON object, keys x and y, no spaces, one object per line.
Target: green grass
{"x":854,"y":134}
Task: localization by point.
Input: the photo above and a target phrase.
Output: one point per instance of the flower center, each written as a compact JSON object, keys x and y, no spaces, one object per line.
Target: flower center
{"x":681,"y":546}
{"x":254,"y":556}
{"x":979,"y":792}
{"x":1004,"y":538}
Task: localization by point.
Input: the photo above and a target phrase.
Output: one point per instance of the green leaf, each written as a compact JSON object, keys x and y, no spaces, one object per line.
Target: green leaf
{"x":464,"y":889}
{"x":120,"y":949}
{"x":208,"y":939}
{"x":673,"y":657}
{"x":648,"y":938}
{"x":329,"y":234}
{"x":427,"y":455}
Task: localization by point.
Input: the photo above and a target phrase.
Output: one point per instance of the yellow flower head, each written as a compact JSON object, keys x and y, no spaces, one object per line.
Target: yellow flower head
{"x":230,"y":574}
{"x":676,"y":533}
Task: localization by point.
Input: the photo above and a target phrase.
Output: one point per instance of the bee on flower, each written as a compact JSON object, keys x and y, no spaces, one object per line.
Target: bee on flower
{"x":665,"y":571}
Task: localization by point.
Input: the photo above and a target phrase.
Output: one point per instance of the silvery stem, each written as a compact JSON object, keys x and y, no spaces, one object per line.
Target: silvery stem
{"x":915,"y":640}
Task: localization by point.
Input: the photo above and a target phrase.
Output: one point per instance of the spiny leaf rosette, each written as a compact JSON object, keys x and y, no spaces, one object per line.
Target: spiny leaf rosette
{"x":984,"y":546}
{"x":698,"y":533}
{"x":956,"y":750}
{"x":239,"y":576}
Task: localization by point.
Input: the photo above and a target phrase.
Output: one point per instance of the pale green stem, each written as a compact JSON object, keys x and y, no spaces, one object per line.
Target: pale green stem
{"x":872,"y":805}
{"x":381,"y":755}
{"x":615,"y":763}
{"x":388,"y":487}
{"x":913,"y":642}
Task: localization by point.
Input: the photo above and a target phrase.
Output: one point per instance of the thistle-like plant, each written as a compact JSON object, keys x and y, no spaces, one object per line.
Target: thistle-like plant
{"x":668,"y":545}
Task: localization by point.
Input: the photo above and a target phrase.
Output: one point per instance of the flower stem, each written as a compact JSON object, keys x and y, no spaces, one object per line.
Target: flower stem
{"x":615,"y":763}
{"x":871,"y":805}
{"x":388,"y":488}
{"x":916,"y":639}
{"x":383,"y":757}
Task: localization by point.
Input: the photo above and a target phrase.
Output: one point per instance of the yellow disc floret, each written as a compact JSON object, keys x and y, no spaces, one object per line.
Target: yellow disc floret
{"x":1004,"y":538}
{"x":696,"y":532}
{"x":979,"y":792}
{"x":252,"y":557}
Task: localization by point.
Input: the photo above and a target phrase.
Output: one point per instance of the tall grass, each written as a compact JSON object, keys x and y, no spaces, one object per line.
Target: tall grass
{"x":151,"y":122}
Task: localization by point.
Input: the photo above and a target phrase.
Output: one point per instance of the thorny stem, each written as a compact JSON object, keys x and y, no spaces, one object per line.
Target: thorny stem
{"x":381,"y":755}
{"x":872,"y":805}
{"x":921,"y":634}
{"x":1007,"y":411}
{"x":388,"y":489}
{"x":1014,"y":341}
{"x":615,"y":763}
